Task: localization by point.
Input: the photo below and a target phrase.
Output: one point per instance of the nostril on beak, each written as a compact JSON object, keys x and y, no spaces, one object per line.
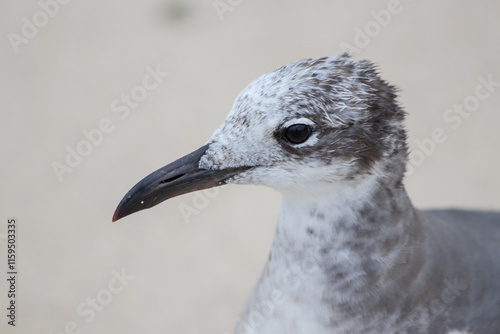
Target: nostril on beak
{"x":173,"y":178}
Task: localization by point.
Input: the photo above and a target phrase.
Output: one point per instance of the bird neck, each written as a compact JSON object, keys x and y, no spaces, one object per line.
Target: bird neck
{"x":344,"y":248}
{"x":368,"y":217}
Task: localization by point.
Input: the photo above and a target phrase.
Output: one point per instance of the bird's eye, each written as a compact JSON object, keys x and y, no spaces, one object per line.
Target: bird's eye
{"x":297,"y":133}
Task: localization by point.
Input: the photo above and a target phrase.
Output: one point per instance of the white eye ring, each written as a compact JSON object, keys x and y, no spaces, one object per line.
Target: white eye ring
{"x":301,"y":120}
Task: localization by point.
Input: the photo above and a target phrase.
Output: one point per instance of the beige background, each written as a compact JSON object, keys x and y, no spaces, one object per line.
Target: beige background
{"x":194,"y":277}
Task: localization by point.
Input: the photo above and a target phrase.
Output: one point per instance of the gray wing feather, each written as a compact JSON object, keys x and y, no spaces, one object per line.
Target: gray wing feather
{"x":470,"y":241}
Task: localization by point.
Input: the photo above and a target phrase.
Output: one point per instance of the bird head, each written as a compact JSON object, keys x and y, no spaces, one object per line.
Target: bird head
{"x":304,"y":127}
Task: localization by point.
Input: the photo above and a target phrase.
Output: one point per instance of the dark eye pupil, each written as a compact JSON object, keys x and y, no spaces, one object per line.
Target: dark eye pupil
{"x":298,"y":133}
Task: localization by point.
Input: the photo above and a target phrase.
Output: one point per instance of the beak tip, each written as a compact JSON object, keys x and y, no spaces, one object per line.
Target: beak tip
{"x":117,"y":215}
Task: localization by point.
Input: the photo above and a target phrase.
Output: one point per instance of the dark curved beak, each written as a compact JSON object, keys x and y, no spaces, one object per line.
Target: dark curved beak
{"x":180,"y":177}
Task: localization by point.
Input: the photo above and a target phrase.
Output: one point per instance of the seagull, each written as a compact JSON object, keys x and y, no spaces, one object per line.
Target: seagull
{"x":351,"y":254}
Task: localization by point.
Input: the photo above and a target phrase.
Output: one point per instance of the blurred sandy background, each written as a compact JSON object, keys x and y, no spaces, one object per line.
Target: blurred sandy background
{"x":193,"y":276}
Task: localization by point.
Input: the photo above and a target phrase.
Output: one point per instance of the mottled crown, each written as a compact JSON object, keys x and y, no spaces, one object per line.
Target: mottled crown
{"x":364,"y":106}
